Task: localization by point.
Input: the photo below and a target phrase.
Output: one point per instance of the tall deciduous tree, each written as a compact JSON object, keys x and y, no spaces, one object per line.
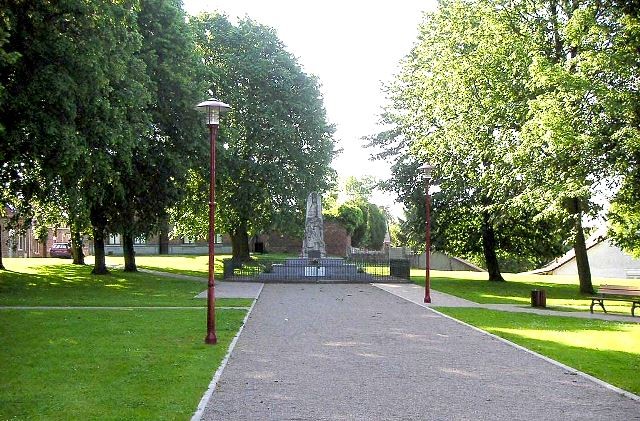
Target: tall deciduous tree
{"x":161,"y":160}
{"x":459,"y":104}
{"x":77,"y":104}
{"x":275,"y":146}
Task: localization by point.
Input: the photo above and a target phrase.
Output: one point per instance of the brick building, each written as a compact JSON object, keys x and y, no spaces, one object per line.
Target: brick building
{"x":336,"y":239}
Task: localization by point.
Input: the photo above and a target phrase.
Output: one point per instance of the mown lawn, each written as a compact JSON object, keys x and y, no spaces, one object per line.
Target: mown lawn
{"x":108,"y":364}
{"x":187,"y":264}
{"x":141,"y":363}
{"x":57,"y":282}
{"x":607,"y":350}
{"x":562,"y":292}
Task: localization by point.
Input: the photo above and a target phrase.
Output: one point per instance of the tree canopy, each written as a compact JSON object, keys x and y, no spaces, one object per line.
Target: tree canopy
{"x":274,"y":146}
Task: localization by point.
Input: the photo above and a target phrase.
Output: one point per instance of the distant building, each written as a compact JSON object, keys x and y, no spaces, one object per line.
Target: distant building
{"x":22,"y":243}
{"x":606,"y":260}
{"x":337,"y":241}
{"x":159,"y":244}
{"x":437,"y":260}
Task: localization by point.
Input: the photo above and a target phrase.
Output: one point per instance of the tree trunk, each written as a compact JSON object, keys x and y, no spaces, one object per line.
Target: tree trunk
{"x":129,"y":252}
{"x":44,"y":249}
{"x":163,"y":238}
{"x":240,"y":243}
{"x":100,"y":266}
{"x":76,"y":245}
{"x":99,"y":222}
{"x":489,"y":249}
{"x":582,"y":260}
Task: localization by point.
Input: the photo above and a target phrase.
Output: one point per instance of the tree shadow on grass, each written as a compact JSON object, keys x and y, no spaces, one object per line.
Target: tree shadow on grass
{"x":483,"y":291}
{"x":70,"y":284}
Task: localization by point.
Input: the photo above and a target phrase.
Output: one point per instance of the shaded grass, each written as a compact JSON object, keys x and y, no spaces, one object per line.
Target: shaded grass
{"x":58,"y":282}
{"x":108,"y":365}
{"x":562,"y":291}
{"x":192,"y":265}
{"x":607,"y":350}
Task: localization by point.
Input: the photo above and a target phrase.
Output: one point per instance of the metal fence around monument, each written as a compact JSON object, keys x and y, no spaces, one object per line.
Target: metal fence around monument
{"x":356,"y":268}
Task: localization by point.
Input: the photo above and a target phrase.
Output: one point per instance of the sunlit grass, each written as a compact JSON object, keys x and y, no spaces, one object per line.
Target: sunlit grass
{"x":108,"y":364}
{"x":622,"y":340}
{"x":607,"y":350}
{"x":562,"y":291}
{"x":194,"y":265}
{"x":57,"y":282}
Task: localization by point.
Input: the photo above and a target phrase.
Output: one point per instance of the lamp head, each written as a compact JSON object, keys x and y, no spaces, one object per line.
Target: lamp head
{"x":427,"y":168}
{"x":212,"y":109}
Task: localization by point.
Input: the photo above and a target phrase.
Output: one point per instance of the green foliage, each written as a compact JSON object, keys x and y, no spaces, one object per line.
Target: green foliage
{"x":351,"y":217}
{"x":275,"y":145}
{"x":359,"y":188}
{"x":624,"y":220}
{"x":75,"y":144}
{"x":459,"y":103}
{"x":377,"y":225}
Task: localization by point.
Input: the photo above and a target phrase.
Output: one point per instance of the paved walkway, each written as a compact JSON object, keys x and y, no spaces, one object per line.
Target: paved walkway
{"x":355,"y":352}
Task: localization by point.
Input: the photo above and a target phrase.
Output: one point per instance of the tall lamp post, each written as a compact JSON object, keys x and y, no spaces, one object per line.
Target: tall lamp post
{"x":212,"y":109}
{"x":427,"y":248}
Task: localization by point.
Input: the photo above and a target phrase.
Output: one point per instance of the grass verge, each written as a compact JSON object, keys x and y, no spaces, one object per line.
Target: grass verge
{"x":55,"y":282}
{"x":562,"y":292}
{"x":108,"y":364}
{"x":607,"y":350}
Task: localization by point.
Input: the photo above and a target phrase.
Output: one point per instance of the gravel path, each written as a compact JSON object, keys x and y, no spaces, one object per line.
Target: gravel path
{"x":355,"y":352}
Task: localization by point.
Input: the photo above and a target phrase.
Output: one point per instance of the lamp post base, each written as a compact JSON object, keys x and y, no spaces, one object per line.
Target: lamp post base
{"x":427,"y":299}
{"x":211,"y":339}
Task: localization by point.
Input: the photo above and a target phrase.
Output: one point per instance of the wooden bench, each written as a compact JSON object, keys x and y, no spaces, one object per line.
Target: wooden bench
{"x":616,"y":293}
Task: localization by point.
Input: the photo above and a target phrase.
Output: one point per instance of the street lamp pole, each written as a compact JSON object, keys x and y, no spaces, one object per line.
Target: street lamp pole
{"x":212,"y":109}
{"x":427,"y":248}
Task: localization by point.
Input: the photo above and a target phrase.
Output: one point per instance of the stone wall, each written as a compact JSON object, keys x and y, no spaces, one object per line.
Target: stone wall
{"x":275,"y":242}
{"x":336,"y":240}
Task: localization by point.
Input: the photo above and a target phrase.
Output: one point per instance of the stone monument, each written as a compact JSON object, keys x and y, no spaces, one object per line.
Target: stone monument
{"x":313,"y":246}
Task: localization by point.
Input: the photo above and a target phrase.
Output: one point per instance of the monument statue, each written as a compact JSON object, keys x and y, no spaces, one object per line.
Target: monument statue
{"x":313,"y":244}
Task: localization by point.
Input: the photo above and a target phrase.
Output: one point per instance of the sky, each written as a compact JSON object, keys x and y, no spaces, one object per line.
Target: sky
{"x":353,"y":47}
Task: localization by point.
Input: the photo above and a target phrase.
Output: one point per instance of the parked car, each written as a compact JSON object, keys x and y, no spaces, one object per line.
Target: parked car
{"x":62,"y":250}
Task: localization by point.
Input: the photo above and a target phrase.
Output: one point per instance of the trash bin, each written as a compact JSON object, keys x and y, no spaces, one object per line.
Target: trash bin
{"x":538,"y":298}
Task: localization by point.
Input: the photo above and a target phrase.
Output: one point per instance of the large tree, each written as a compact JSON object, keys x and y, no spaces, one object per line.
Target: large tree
{"x":161,"y":160}
{"x":459,"y":104}
{"x":275,"y":146}
{"x":77,"y":105}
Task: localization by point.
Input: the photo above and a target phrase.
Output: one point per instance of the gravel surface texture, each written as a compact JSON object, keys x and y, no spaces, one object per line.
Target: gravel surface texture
{"x":355,"y":352}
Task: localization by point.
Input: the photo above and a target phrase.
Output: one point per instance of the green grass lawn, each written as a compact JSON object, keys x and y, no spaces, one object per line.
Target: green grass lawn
{"x":561,"y":291}
{"x":607,"y":350}
{"x":57,"y":282}
{"x":148,"y":363}
{"x":187,"y":264}
{"x":108,"y":364}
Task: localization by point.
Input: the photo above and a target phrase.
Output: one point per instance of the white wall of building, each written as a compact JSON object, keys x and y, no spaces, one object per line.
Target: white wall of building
{"x":607,"y":261}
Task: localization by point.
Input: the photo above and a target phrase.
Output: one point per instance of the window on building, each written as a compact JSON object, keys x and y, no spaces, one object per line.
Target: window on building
{"x":21,"y":242}
{"x":114,"y":239}
{"x":140,"y":240}
{"x":190,"y":240}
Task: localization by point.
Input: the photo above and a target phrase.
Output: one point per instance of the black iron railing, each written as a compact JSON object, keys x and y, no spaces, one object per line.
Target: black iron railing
{"x":353,"y":269}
